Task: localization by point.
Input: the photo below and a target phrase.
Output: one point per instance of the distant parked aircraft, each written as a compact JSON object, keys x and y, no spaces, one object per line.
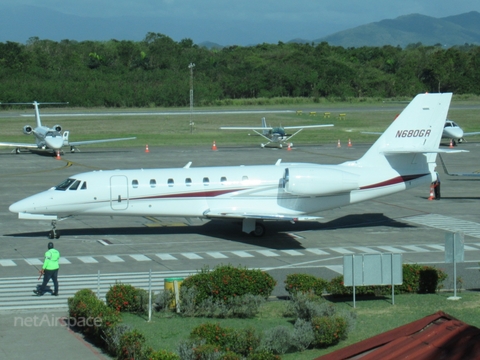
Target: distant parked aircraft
{"x":455,"y":133}
{"x":47,"y":138}
{"x":276,"y":136}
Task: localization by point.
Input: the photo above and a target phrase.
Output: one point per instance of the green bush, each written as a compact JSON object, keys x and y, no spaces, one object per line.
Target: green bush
{"x":421,"y":279}
{"x":277,"y":340}
{"x":328,"y":330}
{"x":226,"y":281}
{"x":304,"y":283}
{"x":131,"y":345}
{"x":263,"y":355}
{"x":126,"y":298}
{"x":161,"y":355}
{"x":91,"y":315}
{"x":212,"y":333}
{"x":306,"y":307}
{"x":241,"y":342}
{"x":416,"y":279}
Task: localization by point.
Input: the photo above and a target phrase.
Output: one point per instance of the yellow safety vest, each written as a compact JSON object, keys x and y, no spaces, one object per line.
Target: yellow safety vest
{"x":51,"y":260}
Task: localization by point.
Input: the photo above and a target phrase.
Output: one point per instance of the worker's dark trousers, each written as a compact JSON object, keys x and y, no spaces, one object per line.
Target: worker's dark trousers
{"x":49,"y":274}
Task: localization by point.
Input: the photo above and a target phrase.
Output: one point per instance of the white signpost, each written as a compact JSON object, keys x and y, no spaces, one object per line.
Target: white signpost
{"x":454,"y":252}
{"x":372,"y":269}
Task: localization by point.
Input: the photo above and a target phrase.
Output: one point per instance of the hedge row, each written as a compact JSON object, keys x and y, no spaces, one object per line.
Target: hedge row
{"x":421,"y":279}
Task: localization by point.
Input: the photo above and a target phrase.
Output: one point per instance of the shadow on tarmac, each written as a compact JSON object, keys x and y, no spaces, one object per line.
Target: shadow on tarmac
{"x":279,"y":235}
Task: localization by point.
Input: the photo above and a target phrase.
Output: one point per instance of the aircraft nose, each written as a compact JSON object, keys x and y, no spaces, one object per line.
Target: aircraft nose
{"x":458,"y":133}
{"x":17,"y":207}
{"x":55,"y":143}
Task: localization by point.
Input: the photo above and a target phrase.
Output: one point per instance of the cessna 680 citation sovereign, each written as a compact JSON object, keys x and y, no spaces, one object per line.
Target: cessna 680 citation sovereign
{"x":403,"y":157}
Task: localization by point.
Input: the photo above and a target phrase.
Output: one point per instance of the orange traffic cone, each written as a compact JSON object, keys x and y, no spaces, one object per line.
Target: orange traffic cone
{"x":57,"y":156}
{"x":214,"y":146}
{"x":349,"y":143}
{"x":146,"y":149}
{"x":432,"y":194}
{"x":289,"y":147}
{"x":451,"y":144}
{"x":338,"y":143}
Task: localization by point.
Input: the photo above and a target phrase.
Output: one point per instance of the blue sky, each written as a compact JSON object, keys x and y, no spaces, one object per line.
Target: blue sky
{"x":247,"y":21}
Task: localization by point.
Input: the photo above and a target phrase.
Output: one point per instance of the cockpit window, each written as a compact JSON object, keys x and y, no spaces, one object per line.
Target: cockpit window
{"x":75,"y":185}
{"x":84,"y":186}
{"x":64,"y":185}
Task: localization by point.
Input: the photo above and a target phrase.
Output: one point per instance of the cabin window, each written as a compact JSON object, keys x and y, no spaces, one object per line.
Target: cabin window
{"x":153,"y":183}
{"x":188,"y":182}
{"x":64,"y":185}
{"x":223,"y":180}
{"x":84,"y":186}
{"x":75,"y":185}
{"x":206,"y":181}
{"x":170,"y":182}
{"x":135,"y":184}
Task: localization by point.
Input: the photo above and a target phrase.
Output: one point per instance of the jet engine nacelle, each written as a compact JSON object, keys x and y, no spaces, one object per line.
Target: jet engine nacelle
{"x":27,"y":129}
{"x":57,"y":128}
{"x":311,"y":181}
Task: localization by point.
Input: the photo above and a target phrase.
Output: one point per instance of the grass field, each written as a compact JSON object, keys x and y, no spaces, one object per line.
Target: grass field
{"x":172,"y":130}
{"x":374,"y":316}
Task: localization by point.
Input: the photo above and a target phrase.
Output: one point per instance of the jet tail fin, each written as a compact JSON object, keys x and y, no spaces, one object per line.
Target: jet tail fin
{"x":415,"y":132}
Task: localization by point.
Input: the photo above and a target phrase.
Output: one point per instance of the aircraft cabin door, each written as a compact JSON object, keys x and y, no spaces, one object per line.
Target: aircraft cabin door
{"x":119,"y":192}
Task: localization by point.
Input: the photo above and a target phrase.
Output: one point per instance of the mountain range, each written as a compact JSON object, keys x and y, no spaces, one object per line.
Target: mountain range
{"x":19,"y":23}
{"x":412,"y":29}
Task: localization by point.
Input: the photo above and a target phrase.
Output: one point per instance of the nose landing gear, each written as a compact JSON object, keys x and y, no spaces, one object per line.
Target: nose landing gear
{"x":54,"y":233}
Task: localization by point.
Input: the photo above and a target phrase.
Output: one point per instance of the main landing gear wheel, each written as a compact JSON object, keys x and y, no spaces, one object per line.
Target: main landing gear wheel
{"x":54,"y":233}
{"x":259,"y":230}
{"x":17,"y":151}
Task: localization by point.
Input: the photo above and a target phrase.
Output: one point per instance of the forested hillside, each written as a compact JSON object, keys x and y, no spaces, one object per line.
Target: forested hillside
{"x":155,"y":72}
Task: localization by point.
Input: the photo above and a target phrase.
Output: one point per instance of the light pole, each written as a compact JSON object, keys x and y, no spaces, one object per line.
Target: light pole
{"x":191,"y":66}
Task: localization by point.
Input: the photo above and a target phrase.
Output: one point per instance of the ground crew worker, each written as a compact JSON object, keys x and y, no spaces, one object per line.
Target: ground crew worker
{"x":436,"y":188}
{"x":49,"y":270}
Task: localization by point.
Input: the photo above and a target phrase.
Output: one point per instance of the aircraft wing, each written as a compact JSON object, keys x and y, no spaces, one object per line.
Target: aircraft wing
{"x":471,"y":133}
{"x":246,"y":128}
{"x":307,"y":126}
{"x":270,"y":128}
{"x":474,"y":174}
{"x":19,"y":145}
{"x":229,"y":214}
{"x":86,"y":142}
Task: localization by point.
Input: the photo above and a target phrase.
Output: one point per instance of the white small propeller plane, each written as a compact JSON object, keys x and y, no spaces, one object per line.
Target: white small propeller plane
{"x":403,"y":157}
{"x":47,"y":138}
{"x":276,"y":136}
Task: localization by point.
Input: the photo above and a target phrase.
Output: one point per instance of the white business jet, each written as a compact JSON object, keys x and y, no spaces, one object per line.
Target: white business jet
{"x":403,"y":157}
{"x":455,"y":133}
{"x":276,"y":136}
{"x":47,"y":138}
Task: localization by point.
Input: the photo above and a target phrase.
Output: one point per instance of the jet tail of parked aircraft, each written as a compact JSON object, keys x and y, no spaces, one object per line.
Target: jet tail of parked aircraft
{"x":411,"y":143}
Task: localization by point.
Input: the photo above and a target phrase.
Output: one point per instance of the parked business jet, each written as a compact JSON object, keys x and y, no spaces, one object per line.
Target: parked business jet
{"x":47,"y":138}
{"x":455,"y":133}
{"x":403,"y":157}
{"x":276,"y":136}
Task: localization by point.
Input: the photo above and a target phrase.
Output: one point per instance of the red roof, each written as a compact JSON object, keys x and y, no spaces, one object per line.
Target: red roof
{"x":437,"y":336}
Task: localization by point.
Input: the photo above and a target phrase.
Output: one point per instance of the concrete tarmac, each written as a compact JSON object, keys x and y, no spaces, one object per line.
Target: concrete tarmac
{"x":406,"y":222}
